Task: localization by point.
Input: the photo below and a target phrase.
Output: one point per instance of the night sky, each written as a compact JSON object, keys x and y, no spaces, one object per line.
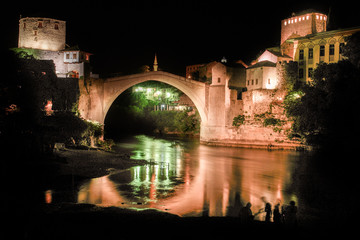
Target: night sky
{"x":124,"y":35}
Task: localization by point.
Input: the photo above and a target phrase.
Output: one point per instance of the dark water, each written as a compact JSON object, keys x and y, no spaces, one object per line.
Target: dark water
{"x":186,"y":178}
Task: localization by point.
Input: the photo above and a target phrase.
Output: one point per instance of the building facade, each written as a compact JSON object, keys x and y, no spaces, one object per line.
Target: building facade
{"x":310,"y":50}
{"x":47,"y":38}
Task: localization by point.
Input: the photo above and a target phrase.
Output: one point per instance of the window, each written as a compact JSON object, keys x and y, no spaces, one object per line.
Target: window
{"x":332,"y":49}
{"x":24,"y":25}
{"x":301,"y":73}
{"x":68,"y":56}
{"x":256,"y":81}
{"x":75,"y":57}
{"x":322,"y":51}
{"x":301,"y":54}
{"x":252,"y":82}
{"x":248,"y":82}
{"x":40,"y":24}
{"x":56,"y":26}
{"x":269,"y":82}
{"x":311,"y":53}
{"x":219,"y":80}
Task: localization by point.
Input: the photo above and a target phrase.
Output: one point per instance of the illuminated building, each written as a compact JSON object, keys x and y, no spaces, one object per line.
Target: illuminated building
{"x":304,"y":37}
{"x":45,"y":37}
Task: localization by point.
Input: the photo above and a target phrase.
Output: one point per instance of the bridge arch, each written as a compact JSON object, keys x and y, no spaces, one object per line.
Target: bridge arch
{"x":196,"y":91}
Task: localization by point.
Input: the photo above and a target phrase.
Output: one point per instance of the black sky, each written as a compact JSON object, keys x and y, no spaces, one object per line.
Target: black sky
{"x":124,"y":35}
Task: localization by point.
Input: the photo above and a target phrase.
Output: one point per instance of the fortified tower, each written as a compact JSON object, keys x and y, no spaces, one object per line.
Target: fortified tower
{"x":42,"y":33}
{"x":302,"y":24}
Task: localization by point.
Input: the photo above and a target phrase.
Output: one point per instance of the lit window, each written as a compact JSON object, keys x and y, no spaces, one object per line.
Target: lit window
{"x":307,"y":17}
{"x":295,"y":20}
{"x":285,"y":23}
{"x":311,"y":53}
{"x":320,"y":17}
{"x":332,"y":49}
{"x":317,"y":16}
{"x":301,"y":54}
{"x":299,"y":19}
{"x":303,"y":18}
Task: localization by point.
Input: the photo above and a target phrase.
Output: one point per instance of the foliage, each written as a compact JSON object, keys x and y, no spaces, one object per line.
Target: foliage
{"x":27,"y":86}
{"x":238,"y":120}
{"x":352,"y":49}
{"x":272,"y":122}
{"x":185,"y":122}
{"x":288,"y":76}
{"x":106,"y":144}
{"x":138,"y":115}
{"x":325,"y":113}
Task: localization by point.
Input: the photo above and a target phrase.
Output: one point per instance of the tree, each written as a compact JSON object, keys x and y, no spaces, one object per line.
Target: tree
{"x":326,"y":114}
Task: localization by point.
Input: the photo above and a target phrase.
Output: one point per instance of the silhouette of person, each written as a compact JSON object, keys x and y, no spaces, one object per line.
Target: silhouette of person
{"x":246,"y":215}
{"x":268,"y":212}
{"x":290,"y":215}
{"x":277,"y":214}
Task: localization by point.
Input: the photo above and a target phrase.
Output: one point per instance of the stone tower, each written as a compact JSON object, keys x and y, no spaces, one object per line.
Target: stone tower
{"x":302,"y":24}
{"x":42,"y":33}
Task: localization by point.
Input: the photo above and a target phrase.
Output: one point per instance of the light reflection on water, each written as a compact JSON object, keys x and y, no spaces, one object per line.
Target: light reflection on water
{"x":190,"y":179}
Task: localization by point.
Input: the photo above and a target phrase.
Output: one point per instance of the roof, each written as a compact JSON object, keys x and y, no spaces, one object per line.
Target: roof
{"x":74,"y":48}
{"x":277,"y":52}
{"x":263,"y":64}
{"x":326,"y":34}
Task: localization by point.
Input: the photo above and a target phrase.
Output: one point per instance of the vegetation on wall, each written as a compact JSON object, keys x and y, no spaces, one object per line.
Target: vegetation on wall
{"x":238,"y":120}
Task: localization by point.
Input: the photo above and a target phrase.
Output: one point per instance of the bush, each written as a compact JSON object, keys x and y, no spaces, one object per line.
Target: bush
{"x":239,"y":120}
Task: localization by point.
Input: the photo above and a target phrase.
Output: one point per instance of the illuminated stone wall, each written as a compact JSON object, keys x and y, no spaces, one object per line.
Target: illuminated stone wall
{"x":302,"y":25}
{"x":42,"y":33}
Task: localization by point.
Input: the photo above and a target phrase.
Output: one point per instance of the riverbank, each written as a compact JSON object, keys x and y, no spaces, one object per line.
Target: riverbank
{"x":67,"y":221}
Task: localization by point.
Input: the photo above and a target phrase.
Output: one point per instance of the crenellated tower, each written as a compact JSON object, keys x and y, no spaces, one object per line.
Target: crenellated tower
{"x":302,"y":24}
{"x":42,"y":33}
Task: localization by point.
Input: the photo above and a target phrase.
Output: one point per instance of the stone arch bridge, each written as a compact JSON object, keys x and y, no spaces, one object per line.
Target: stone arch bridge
{"x":216,"y":103}
{"x":97,"y":97}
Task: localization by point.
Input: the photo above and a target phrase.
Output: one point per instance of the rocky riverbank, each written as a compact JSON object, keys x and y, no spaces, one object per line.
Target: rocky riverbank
{"x":93,"y":163}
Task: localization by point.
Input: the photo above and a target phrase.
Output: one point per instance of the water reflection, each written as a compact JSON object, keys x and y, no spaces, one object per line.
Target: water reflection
{"x":189,"y":179}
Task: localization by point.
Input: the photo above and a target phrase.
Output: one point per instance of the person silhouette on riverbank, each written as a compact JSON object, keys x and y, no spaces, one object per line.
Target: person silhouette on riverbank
{"x":277,"y":214}
{"x":268,"y":212}
{"x":246,"y":215}
{"x":290,"y":215}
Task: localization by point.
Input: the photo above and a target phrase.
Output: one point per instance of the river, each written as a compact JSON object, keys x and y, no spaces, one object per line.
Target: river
{"x":187,"y":178}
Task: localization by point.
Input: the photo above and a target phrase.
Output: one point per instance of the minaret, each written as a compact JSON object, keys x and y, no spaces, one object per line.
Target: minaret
{"x":155,"y":64}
